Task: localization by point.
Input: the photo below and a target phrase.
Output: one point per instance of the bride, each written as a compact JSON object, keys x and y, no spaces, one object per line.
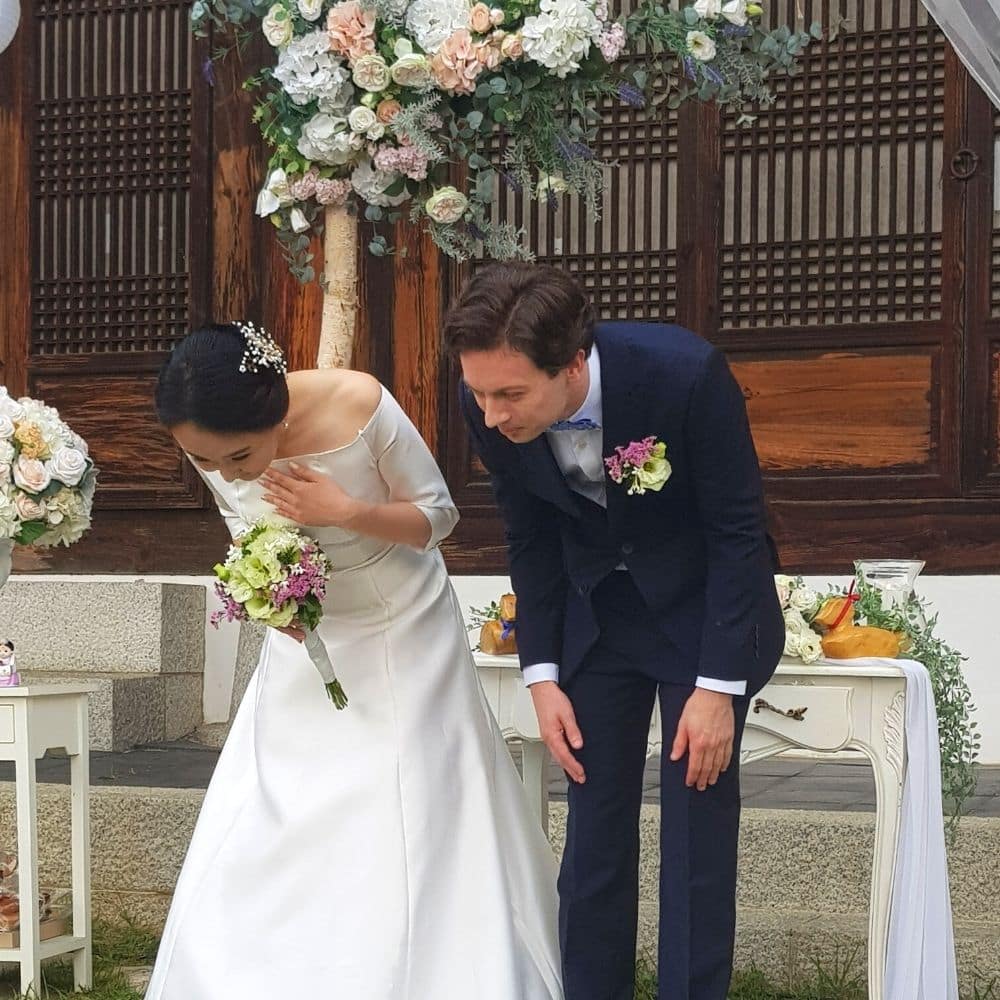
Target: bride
{"x":382,"y":852}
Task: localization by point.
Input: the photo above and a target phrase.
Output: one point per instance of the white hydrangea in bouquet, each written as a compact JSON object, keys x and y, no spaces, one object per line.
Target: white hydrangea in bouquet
{"x":47,"y":479}
{"x":373,"y":103}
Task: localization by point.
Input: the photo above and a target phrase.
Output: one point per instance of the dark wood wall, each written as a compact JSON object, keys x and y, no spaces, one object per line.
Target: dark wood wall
{"x":844,"y":251}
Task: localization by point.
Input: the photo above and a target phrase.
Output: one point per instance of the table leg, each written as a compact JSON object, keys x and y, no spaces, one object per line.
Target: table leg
{"x":80,"y":784}
{"x":534,"y":760}
{"x":27,"y":865}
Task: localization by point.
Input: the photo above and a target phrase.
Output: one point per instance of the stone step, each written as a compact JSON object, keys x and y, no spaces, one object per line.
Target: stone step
{"x":128,"y":710}
{"x":802,"y":892}
{"x":86,"y":626}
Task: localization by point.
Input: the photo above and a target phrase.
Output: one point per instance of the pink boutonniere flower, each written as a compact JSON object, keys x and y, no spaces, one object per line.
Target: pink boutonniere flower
{"x":642,"y":464}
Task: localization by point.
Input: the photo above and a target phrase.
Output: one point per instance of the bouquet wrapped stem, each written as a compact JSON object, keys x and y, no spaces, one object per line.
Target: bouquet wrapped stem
{"x":316,"y":649}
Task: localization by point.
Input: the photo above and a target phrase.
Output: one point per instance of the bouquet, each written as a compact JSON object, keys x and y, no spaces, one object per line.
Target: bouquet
{"x":277,"y":576}
{"x":373,"y":103}
{"x":47,"y":479}
{"x":799,"y":606}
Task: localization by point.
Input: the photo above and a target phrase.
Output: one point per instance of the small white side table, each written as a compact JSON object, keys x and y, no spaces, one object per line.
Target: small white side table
{"x":33,"y":719}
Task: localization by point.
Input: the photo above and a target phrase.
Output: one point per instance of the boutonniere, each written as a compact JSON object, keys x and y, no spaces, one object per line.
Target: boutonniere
{"x":642,"y":464}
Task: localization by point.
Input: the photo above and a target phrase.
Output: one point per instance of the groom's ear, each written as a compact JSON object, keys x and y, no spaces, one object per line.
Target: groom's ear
{"x":575,"y":368}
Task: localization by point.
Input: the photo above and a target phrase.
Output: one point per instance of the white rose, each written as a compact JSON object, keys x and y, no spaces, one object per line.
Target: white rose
{"x":6,"y":427}
{"x":28,"y":508}
{"x":376,"y":131}
{"x":735,"y":12}
{"x":803,"y":599}
{"x":497,"y":16}
{"x":275,"y":194}
{"x":310,"y":9}
{"x":31,"y":475}
{"x":411,"y":70}
{"x":446,"y":205}
{"x":701,"y":46}
{"x":551,"y":182}
{"x":708,"y":10}
{"x":8,"y":516}
{"x":68,"y":466}
{"x":326,"y":139}
{"x":10,"y":407}
{"x":278,"y":27}
{"x":810,"y":647}
{"x":794,"y":622}
{"x":783,"y":592}
{"x":793,"y":644}
{"x":6,"y":453}
{"x":371,"y":73}
{"x":361,"y":118}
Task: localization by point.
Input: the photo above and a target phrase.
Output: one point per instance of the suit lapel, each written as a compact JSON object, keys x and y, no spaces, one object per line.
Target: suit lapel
{"x":545,"y":476}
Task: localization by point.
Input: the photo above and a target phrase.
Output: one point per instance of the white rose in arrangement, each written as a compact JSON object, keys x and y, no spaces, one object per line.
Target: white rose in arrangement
{"x":701,"y":46}
{"x":278,"y":26}
{"x":326,"y":139}
{"x":735,"y":11}
{"x":430,"y":22}
{"x":803,"y":599}
{"x":68,"y":466}
{"x":28,"y":508}
{"x":793,"y":644}
{"x":560,"y":36}
{"x":446,"y":205}
{"x":551,"y":182}
{"x":782,"y":585}
{"x":310,"y":9}
{"x":31,"y":475}
{"x":371,"y":184}
{"x":9,"y":520}
{"x":371,"y":73}
{"x":794,"y":622}
{"x":361,"y":119}
{"x":708,"y":10}
{"x":411,"y":70}
{"x":6,"y":427}
{"x":275,"y":194}
{"x":308,"y":69}
{"x":810,"y":647}
{"x":10,"y":407}
{"x":376,"y":131}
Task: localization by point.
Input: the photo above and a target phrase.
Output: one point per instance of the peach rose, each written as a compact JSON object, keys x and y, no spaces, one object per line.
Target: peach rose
{"x":387,"y":110}
{"x":479,"y":19}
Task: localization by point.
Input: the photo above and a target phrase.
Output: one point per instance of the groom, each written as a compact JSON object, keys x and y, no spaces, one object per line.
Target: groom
{"x":624,"y":595}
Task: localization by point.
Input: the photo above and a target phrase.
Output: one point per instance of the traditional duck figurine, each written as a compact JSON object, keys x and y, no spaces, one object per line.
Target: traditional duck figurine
{"x":844,"y":640}
{"x":497,"y":635}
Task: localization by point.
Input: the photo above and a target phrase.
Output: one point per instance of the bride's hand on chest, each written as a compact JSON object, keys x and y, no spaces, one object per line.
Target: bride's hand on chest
{"x":308,"y":497}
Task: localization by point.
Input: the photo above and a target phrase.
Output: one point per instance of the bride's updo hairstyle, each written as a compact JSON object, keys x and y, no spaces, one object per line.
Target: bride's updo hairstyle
{"x":228,"y":378}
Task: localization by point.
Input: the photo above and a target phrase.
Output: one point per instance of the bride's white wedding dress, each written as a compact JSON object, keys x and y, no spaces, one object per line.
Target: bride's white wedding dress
{"x":383,"y":852}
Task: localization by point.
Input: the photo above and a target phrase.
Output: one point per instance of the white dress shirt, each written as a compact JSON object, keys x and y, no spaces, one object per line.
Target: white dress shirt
{"x":579,"y":457}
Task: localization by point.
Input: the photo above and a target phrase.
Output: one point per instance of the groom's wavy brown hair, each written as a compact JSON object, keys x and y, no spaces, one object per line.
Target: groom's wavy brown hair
{"x":541,"y":311}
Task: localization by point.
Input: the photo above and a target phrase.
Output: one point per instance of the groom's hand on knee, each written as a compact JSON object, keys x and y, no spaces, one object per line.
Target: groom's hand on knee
{"x":705,"y":732}
{"x":558,"y":728}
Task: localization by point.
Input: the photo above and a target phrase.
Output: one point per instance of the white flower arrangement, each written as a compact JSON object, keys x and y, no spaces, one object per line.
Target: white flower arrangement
{"x":370,"y":103}
{"x":47,"y":479}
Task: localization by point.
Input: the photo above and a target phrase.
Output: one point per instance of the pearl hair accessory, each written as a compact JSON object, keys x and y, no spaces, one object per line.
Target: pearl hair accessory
{"x":261,"y":352}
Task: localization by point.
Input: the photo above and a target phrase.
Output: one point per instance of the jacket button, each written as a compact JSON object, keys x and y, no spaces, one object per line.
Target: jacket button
{"x":627,"y":549}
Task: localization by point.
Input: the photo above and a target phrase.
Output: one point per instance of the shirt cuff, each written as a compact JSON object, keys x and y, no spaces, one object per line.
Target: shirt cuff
{"x":735,"y":688}
{"x":538,"y":672}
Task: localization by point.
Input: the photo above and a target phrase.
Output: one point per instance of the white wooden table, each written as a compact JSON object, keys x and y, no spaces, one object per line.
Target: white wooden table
{"x":825,"y":708}
{"x":33,"y":719}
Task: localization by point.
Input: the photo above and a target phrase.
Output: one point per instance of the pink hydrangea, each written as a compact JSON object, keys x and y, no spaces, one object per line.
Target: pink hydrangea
{"x":332,"y":191}
{"x":612,"y":42}
{"x":407,"y":160}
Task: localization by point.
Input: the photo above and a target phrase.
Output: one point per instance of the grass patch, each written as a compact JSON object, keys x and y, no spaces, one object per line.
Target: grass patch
{"x":116,"y":946}
{"x":840,"y":980}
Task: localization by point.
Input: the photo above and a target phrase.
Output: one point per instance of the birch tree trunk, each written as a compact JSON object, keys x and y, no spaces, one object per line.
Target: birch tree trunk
{"x":340,"y":297}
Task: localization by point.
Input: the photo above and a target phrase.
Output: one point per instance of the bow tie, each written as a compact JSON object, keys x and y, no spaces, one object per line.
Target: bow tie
{"x":586,"y":424}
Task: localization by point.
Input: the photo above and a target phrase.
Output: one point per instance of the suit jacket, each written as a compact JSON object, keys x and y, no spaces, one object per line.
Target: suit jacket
{"x":698,"y":549}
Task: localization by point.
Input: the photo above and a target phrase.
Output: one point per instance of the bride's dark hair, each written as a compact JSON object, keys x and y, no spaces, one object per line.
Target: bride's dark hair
{"x":202,"y":383}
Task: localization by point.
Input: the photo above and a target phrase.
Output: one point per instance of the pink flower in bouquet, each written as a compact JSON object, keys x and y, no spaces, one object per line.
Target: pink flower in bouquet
{"x":332,"y":191}
{"x":407,"y":160}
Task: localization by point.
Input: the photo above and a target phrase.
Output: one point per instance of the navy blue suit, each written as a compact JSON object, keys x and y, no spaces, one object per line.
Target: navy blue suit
{"x":698,"y":599}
